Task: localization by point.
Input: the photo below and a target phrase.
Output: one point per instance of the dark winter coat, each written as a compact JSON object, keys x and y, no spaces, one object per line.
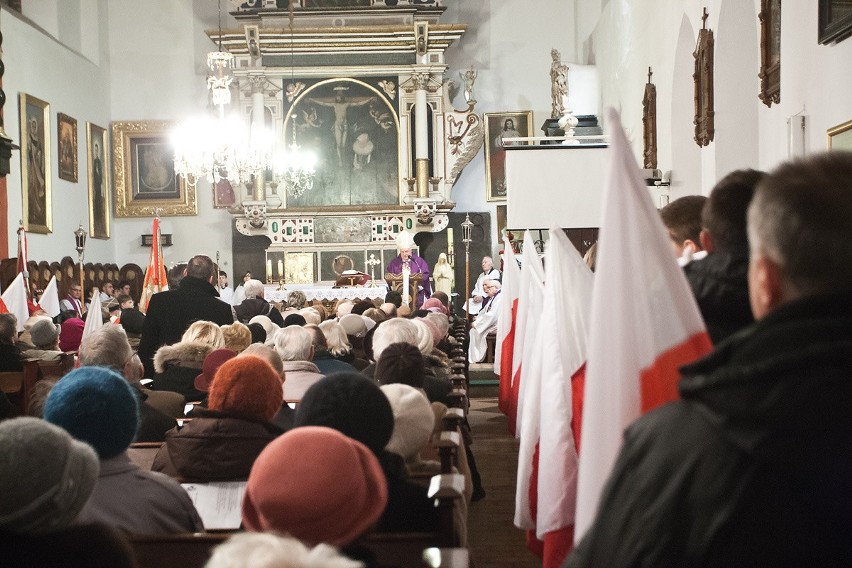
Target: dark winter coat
{"x":251,"y":307}
{"x":214,"y":446}
{"x":719,"y":282}
{"x":171,"y":313}
{"x":753,"y":467}
{"x":176,"y":366}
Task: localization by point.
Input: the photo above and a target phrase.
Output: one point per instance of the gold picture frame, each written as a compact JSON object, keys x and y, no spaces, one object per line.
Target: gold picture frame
{"x":144,"y":171}
{"x":66,"y":143}
{"x":705,"y":129}
{"x":98,"y":175}
{"x":517,"y":124}
{"x":770,"y":52}
{"x":840,"y":137}
{"x":35,"y":164}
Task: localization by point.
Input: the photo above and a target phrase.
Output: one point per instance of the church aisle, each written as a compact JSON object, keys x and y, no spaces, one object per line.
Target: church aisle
{"x":494,"y":540}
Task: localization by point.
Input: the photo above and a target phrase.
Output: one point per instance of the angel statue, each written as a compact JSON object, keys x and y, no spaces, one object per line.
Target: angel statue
{"x":559,"y":84}
{"x":469,"y":77}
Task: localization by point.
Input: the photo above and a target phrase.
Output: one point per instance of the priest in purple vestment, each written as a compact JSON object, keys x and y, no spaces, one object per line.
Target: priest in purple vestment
{"x":404,"y":244}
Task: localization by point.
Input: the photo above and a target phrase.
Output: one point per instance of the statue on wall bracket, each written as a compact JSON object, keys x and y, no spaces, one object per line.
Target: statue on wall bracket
{"x":703,"y":77}
{"x":649,"y":124}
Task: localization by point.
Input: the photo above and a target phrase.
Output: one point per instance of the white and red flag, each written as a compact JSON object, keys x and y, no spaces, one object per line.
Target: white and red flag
{"x":645,"y":323}
{"x":94,"y":316}
{"x":23,"y":257}
{"x":14,"y":301}
{"x":155,"y":275}
{"x":49,"y":301}
{"x":511,"y":282}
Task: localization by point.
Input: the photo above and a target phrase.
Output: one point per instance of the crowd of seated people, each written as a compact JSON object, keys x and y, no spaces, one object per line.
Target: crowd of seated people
{"x":331,"y":421}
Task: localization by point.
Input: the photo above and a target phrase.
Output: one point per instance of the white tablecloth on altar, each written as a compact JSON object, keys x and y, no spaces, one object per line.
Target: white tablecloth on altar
{"x":273,"y":294}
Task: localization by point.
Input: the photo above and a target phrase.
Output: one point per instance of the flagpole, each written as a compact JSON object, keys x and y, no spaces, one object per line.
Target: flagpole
{"x":23,"y":256}
{"x":80,"y":239}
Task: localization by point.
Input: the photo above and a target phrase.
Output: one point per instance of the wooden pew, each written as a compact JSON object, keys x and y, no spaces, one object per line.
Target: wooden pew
{"x":143,"y":453}
{"x":191,"y":550}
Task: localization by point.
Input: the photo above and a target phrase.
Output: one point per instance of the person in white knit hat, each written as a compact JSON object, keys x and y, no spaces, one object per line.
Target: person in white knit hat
{"x":415,"y":264}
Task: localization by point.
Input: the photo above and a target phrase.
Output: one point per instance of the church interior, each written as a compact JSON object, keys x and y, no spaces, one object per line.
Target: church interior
{"x":401,"y":106}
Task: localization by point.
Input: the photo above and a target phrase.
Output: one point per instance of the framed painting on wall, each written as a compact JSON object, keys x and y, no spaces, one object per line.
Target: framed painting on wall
{"x":35,"y":164}
{"x":144,"y":171}
{"x":66,"y":131}
{"x":835,"y":21}
{"x":352,"y":128}
{"x":499,"y":125}
{"x":96,"y":141}
{"x":840,"y":137}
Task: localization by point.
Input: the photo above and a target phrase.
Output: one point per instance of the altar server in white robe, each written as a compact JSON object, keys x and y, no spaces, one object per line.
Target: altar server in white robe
{"x":485,"y":323}
{"x":478,"y":295}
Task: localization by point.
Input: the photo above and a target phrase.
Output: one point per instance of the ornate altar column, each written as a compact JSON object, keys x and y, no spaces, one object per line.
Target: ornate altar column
{"x":257,"y":126}
{"x":421,"y":128}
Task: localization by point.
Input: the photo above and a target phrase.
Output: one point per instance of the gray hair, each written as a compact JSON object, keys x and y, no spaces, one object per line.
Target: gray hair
{"x":294,"y":343}
{"x":425,"y":340}
{"x":799,"y":218}
{"x":106,"y":347}
{"x":495,"y":283}
{"x":397,"y":330}
{"x":265,"y":550}
{"x":253,"y":289}
{"x":266,"y":353}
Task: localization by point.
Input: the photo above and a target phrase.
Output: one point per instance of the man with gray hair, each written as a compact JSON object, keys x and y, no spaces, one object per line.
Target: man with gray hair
{"x":294,"y":345}
{"x":256,"y":305}
{"x":485,"y":322}
{"x":109,"y":347}
{"x":478,"y":295}
{"x":752,"y":466}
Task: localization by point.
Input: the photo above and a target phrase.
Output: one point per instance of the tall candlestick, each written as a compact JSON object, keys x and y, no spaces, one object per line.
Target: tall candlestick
{"x":280,"y":268}
{"x":268,"y":269}
{"x":449,"y":237}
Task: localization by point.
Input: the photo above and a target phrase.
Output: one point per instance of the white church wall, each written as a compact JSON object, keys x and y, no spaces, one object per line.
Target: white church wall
{"x":40,"y":65}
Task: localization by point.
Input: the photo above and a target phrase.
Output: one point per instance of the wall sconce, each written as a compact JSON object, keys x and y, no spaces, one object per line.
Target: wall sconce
{"x":796,"y":135}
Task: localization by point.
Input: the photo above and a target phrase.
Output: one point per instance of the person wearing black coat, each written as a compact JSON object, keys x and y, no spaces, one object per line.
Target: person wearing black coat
{"x":170,"y":313}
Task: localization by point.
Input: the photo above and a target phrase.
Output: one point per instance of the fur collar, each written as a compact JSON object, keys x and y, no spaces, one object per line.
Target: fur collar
{"x":190,"y":354}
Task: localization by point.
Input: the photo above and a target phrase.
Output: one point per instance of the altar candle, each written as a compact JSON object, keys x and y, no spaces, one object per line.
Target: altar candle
{"x":450,"y":237}
{"x":280,"y":268}
{"x":406,"y":274}
{"x":269,"y":268}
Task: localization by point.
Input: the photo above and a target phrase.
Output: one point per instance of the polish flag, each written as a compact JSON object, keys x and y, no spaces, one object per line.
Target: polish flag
{"x":531,"y":272}
{"x":14,"y":300}
{"x":531,"y":305}
{"x":511,"y":282}
{"x":155,"y":275}
{"x":563,"y":334}
{"x":49,"y":301}
{"x":644,"y":325}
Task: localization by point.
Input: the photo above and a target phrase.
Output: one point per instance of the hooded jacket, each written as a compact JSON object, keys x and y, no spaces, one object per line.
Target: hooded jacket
{"x":753,"y":467}
{"x":176,"y":367}
{"x":719,"y":282}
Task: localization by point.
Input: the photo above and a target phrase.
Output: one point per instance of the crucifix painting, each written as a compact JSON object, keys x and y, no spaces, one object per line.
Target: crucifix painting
{"x":352,"y":128}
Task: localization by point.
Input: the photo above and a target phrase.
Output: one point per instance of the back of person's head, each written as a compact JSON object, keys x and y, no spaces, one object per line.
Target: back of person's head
{"x":591,"y":256}
{"x":201,"y":266}
{"x":317,"y":337}
{"x":268,"y":325}
{"x":317,"y":485}
{"x":682,"y":218}
{"x":394,"y":298}
{"x":425,"y":337}
{"x":212,"y":362}
{"x":442,"y":322}
{"x":362,"y":306}
{"x":106,"y":347}
{"x":45,"y":334}
{"x":335,"y":338}
{"x":396,"y":330}
{"x":401,"y":363}
{"x":389,"y":309}
{"x":375,"y":314}
{"x":237,"y":336}
{"x":352,"y":404}
{"x":294,"y":343}
{"x":269,"y":355}
{"x":265,"y":550}
{"x":296,"y":299}
{"x":205,"y":332}
{"x":175,"y":275}
{"x":354,"y":325}
{"x":442,"y":297}
{"x":247,"y":386}
{"x":413,"y":419}
{"x":71,"y":334}
{"x":95,"y":405}
{"x":724,"y":214}
{"x":799,"y":220}
{"x":253,"y":289}
{"x":297,"y":320}
{"x":344,"y":307}
{"x":258,"y":334}
{"x":434,"y":305}
{"x":46,"y":476}
{"x":311,"y":315}
{"x":122,"y":298}
{"x":8,"y":328}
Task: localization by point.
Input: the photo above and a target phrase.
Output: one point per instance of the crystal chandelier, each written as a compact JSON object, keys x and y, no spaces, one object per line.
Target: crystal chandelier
{"x":221,"y":147}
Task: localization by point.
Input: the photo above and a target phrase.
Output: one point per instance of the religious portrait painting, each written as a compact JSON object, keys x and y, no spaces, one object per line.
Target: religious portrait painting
{"x":35,"y":164}
{"x":352,"y":128}
{"x":66,"y":131}
{"x":500,"y":125}
{"x":144,"y":170}
{"x":99,"y":202}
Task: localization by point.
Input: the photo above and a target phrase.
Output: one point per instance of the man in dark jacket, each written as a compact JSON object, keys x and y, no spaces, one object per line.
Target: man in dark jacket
{"x":753,"y":467}
{"x":170,"y":313}
{"x":719,"y":280}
